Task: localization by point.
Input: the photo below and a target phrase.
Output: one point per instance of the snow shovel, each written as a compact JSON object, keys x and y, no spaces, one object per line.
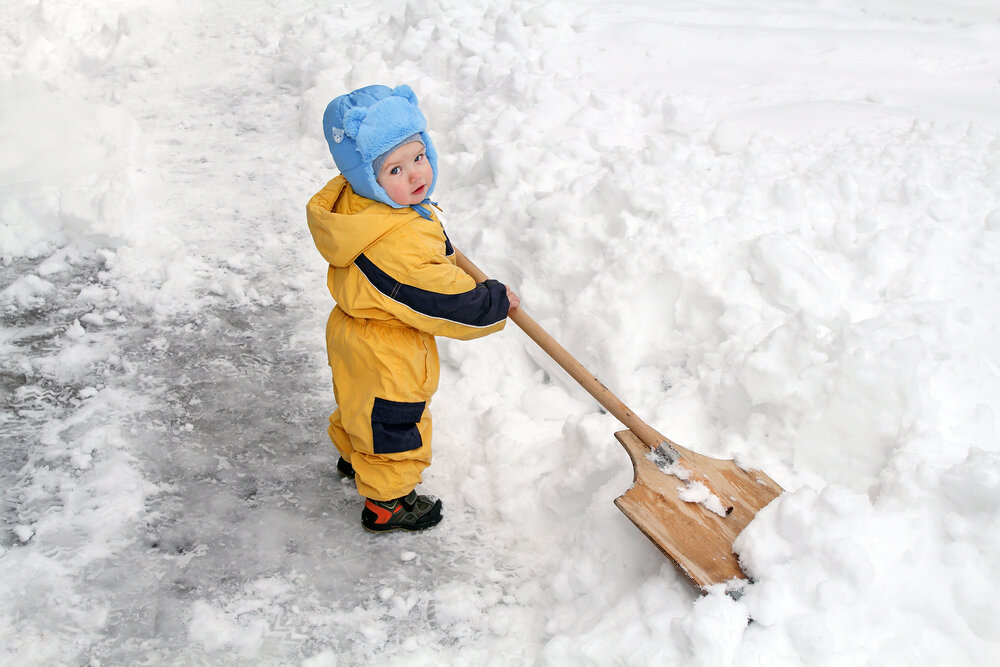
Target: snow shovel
{"x":691,"y":506}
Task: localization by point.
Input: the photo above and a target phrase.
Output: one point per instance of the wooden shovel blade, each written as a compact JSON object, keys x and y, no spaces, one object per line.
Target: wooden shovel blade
{"x":696,"y":539}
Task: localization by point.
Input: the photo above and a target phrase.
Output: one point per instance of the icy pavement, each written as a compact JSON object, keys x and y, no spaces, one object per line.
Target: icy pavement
{"x":180,"y":507}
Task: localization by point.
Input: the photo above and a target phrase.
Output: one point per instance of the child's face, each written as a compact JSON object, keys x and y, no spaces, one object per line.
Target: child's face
{"x":406,"y":175}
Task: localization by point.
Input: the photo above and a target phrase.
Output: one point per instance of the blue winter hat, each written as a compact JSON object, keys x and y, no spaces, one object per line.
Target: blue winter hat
{"x":365,"y":124}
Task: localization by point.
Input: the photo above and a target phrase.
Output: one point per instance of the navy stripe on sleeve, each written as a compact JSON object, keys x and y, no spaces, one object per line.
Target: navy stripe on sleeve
{"x":483,"y":306}
{"x":449,"y":250}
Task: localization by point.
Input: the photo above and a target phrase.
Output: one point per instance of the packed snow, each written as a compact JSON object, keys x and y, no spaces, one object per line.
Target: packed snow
{"x":772,"y":228}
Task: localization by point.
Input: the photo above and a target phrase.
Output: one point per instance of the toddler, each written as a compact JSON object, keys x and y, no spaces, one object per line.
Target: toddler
{"x":393,"y":276}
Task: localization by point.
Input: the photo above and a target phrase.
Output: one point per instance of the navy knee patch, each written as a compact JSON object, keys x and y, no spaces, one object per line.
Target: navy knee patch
{"x":394,"y":426}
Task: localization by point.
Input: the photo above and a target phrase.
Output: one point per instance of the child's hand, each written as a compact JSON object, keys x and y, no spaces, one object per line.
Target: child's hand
{"x":514,"y":299}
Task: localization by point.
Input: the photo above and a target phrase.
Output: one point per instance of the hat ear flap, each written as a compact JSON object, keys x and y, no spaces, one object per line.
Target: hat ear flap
{"x":352,"y":121}
{"x":406,"y":93}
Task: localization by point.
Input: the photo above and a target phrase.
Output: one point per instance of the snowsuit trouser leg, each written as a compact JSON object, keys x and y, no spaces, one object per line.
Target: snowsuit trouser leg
{"x":384,"y":375}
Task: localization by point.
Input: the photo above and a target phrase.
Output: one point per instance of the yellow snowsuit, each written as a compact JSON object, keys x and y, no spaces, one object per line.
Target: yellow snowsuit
{"x":393,"y":276}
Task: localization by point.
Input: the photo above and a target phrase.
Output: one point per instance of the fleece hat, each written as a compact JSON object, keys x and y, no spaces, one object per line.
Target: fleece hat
{"x":363,"y":126}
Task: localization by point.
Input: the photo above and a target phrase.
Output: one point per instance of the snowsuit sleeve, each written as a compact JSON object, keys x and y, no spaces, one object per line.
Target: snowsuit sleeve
{"x":412,"y":279}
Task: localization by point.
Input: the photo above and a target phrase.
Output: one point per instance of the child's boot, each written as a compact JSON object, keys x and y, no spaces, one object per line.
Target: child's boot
{"x":411,"y":512}
{"x":345,"y":468}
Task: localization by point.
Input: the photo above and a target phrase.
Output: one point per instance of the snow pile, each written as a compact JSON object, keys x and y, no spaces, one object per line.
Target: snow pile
{"x":921,"y":552}
{"x":69,"y":156}
{"x":772,"y":232}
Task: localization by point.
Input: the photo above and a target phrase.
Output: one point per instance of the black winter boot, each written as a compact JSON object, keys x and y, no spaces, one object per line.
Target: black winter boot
{"x":411,"y":512}
{"x":345,"y":468}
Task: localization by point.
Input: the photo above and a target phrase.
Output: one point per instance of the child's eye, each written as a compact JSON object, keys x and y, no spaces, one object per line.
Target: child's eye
{"x":419,"y":158}
{"x":396,"y":170}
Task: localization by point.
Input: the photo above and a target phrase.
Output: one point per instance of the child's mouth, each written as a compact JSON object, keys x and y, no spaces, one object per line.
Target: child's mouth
{"x":420,"y":190}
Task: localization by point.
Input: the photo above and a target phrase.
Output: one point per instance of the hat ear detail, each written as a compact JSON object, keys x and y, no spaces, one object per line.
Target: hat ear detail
{"x":353,"y":119}
{"x":406,"y":93}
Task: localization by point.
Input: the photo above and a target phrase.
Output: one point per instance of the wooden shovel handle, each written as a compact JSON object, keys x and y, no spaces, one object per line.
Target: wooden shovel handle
{"x":648,"y":435}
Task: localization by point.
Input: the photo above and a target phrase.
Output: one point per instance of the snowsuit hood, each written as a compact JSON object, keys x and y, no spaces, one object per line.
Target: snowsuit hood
{"x":365,"y":124}
{"x":344,"y":224}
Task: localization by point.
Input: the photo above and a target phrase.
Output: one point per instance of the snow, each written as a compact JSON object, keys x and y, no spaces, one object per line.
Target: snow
{"x":770,"y":227}
{"x":697,"y":492}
